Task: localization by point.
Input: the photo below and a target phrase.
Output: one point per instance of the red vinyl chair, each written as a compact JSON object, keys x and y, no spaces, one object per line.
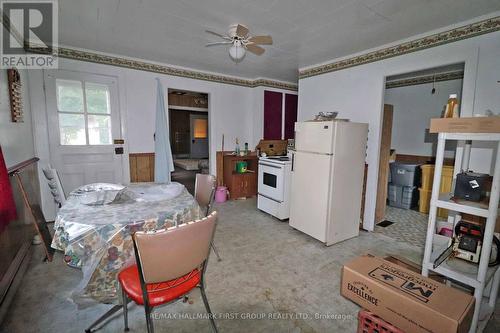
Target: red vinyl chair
{"x":169,"y":264}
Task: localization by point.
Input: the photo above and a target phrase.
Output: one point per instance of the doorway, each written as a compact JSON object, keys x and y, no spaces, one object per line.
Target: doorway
{"x":189,"y":135}
{"x":408,"y":149}
{"x":85,"y":139}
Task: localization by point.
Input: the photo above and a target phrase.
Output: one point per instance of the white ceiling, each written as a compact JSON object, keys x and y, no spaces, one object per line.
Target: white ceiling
{"x":305,"y":32}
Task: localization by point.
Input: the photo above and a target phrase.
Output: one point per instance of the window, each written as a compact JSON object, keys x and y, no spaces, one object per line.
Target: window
{"x":200,"y":128}
{"x":84,"y":112}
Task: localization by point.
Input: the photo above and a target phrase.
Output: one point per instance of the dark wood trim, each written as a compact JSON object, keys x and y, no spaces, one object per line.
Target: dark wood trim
{"x":22,"y":165}
{"x":11,"y":272}
{"x":13,"y":277}
{"x":420,"y":159}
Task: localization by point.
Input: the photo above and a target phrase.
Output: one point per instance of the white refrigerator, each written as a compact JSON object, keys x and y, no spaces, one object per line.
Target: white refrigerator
{"x":327,"y":179}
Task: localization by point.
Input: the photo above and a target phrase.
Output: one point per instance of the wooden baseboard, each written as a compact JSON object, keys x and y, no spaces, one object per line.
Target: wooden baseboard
{"x":142,"y":167}
{"x":12,"y":278}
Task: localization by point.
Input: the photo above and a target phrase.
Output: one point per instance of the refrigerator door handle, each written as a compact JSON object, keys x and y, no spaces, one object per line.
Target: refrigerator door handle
{"x":293,"y":159}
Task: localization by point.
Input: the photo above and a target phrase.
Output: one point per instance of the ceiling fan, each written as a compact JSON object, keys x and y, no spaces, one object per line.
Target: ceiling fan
{"x":241,"y":41}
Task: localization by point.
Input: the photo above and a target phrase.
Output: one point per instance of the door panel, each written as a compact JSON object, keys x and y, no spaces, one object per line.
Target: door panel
{"x":308,"y":213}
{"x":83,"y":119}
{"x":383,"y":169}
{"x":199,"y":135}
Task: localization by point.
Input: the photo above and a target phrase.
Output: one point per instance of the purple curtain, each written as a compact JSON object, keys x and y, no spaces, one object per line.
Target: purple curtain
{"x":272,"y":115}
{"x":290,"y":115}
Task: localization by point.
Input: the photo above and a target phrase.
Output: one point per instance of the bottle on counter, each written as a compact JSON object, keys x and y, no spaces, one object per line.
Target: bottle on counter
{"x":451,"y":110}
{"x":237,"y":147}
{"x":246,"y":148}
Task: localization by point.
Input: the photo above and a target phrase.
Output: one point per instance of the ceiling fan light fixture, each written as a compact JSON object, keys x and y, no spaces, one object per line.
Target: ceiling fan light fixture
{"x":237,"y":51}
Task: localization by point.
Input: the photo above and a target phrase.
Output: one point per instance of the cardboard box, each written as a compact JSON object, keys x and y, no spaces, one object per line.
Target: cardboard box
{"x":406,"y":299}
{"x":466,"y":125}
{"x":273,"y":147}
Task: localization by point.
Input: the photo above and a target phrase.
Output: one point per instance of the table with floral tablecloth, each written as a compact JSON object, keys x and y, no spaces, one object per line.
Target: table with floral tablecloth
{"x":93,"y":228}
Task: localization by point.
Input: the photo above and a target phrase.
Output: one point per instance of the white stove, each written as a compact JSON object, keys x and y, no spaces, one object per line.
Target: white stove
{"x":274,"y":186}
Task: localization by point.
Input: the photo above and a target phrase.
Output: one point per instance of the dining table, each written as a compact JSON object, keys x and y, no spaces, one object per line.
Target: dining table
{"x":93,"y":229}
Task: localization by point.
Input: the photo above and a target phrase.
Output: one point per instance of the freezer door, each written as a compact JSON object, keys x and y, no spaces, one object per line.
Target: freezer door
{"x":315,"y":136}
{"x":310,"y":193}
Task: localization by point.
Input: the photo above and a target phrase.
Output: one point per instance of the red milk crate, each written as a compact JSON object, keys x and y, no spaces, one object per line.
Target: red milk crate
{"x":370,"y":323}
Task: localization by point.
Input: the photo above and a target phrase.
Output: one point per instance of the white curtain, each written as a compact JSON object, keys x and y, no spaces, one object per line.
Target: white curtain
{"x":164,"y":163}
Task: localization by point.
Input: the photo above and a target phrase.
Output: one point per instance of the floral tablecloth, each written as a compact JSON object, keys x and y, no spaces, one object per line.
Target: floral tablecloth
{"x":94,"y":227}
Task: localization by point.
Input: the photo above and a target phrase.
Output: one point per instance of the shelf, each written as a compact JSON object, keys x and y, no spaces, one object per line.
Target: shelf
{"x":243,"y":173}
{"x":472,"y":136}
{"x":469,"y":207}
{"x":458,"y":269}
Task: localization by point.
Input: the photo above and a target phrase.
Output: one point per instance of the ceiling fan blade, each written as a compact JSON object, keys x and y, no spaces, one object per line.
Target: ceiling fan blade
{"x":255,"y":49}
{"x":262,"y":40}
{"x":241,"y":31}
{"x":218,"y":43}
{"x":218,"y":34}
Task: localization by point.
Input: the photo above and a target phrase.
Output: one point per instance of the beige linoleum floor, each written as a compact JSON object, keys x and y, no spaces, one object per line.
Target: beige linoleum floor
{"x":268,"y":270}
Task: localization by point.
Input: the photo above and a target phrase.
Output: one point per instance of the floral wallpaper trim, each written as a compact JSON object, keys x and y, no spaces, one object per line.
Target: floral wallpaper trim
{"x":425,"y":79}
{"x":464,"y":32}
{"x":69,"y":53}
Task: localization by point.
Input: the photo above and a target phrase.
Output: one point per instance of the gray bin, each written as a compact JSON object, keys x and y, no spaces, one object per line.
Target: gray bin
{"x":405,"y":197}
{"x":405,"y":174}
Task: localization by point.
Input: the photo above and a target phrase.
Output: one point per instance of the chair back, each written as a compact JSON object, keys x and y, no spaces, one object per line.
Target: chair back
{"x":55,"y":185}
{"x":169,"y":254}
{"x":204,"y":190}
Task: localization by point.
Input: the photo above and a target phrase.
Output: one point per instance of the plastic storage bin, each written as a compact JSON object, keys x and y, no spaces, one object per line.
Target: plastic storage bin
{"x":405,"y":197}
{"x":370,"y":323}
{"x":428,"y":177}
{"x":426,"y":189}
{"x":424,"y":203}
{"x":405,"y":174}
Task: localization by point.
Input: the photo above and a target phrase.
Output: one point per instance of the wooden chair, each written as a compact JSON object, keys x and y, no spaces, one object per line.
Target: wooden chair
{"x":169,"y":264}
{"x":204,"y":192}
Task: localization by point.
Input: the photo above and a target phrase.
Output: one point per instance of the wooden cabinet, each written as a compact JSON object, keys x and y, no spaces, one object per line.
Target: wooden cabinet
{"x":241,"y":185}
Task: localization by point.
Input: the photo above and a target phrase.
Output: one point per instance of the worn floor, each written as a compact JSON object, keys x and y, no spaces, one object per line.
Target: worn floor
{"x":272,"y":279}
{"x":409,"y":226}
{"x":185,"y":177}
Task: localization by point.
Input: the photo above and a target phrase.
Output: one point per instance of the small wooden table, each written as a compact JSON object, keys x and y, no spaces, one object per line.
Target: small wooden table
{"x":241,"y":185}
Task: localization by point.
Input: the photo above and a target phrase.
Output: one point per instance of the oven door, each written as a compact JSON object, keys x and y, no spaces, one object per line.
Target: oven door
{"x":271,"y":181}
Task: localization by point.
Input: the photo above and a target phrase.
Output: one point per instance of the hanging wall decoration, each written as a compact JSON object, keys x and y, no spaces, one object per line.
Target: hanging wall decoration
{"x":16,"y":107}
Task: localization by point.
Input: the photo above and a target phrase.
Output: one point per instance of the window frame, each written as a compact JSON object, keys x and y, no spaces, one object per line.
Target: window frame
{"x":85,"y":112}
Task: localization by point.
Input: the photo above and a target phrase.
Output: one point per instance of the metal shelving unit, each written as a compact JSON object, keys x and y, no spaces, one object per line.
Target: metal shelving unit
{"x":476,"y":276}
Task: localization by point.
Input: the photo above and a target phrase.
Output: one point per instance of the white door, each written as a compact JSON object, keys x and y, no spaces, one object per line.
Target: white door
{"x":84,"y":122}
{"x":199,"y":135}
{"x":310,"y":187}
